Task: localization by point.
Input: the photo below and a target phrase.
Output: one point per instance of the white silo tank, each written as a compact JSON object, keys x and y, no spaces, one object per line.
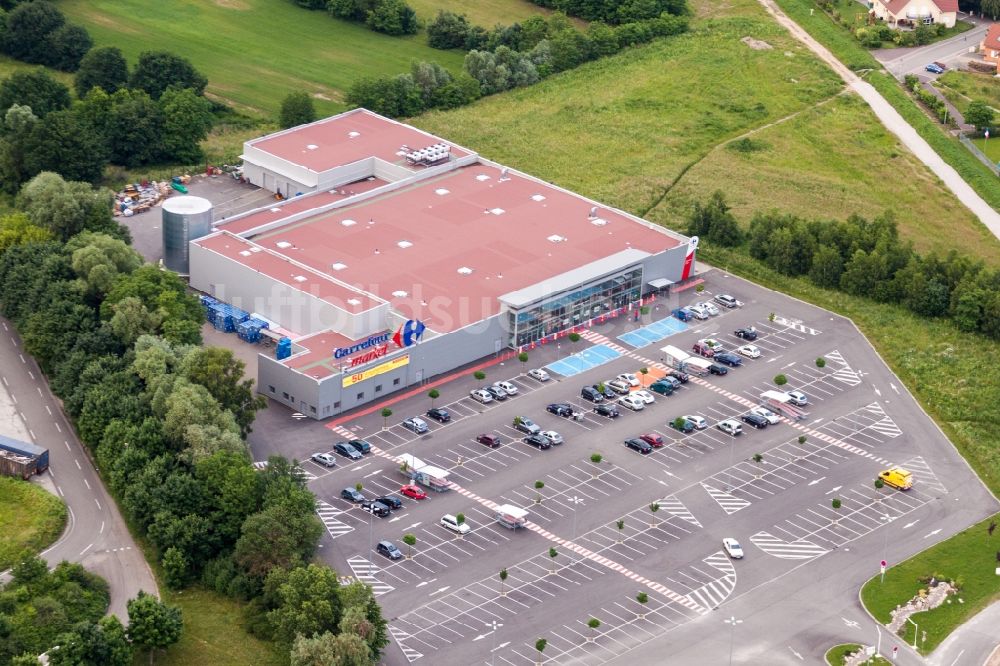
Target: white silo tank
{"x":185,"y":219}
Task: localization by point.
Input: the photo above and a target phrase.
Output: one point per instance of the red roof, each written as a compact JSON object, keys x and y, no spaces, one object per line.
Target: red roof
{"x":895,"y":7}
{"x":992,"y":39}
{"x":345,"y":139}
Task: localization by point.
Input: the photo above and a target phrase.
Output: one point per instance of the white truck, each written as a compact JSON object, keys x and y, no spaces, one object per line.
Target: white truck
{"x":426,"y":475}
{"x":781,"y":402}
{"x":511,"y":516}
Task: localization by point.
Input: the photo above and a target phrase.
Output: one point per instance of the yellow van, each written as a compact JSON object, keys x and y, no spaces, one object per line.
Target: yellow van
{"x":897,"y":477}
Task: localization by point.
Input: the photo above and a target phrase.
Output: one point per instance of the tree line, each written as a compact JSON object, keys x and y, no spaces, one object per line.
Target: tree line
{"x":862,"y":257}
{"x":166,"y":420}
{"x":391,"y":17}
{"x":37,"y":32}
{"x":625,"y":11}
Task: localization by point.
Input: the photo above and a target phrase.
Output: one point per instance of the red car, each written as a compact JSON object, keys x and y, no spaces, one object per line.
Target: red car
{"x":491,"y":441}
{"x":413,"y":492}
{"x":652,"y":439}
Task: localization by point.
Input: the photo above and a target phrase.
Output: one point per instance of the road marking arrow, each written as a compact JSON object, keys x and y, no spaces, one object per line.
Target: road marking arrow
{"x":877,"y":392}
{"x":850,"y":623}
{"x":378,"y":471}
{"x":795,"y":653}
{"x":440,"y":590}
{"x":930,"y":534}
{"x":894,"y":388}
{"x":815,"y":481}
{"x":422,"y":583}
{"x":789,"y":365}
{"x":911,"y":524}
{"x":834,"y":489}
{"x":501,"y":646}
{"x":395,"y":519}
{"x":413,"y":525}
{"x":481,"y":636}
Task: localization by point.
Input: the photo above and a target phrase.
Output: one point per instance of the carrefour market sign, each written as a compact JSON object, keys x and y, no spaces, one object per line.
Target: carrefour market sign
{"x":381,"y":338}
{"x":388,"y":366}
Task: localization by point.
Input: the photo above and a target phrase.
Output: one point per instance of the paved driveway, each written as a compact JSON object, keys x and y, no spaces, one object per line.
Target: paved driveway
{"x":950,"y":51}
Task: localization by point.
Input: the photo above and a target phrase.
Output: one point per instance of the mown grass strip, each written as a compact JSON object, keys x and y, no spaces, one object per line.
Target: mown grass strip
{"x":30,"y":519}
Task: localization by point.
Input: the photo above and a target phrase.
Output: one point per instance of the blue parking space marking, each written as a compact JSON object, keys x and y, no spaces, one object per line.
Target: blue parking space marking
{"x":584,"y":360}
{"x":655,"y":332}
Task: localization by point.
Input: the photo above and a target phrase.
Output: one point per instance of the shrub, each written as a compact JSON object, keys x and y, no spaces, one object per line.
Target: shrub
{"x":392,"y":17}
{"x":448,"y":31}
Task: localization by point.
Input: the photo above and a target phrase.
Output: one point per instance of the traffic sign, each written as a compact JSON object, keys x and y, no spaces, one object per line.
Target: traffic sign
{"x":884,"y":564}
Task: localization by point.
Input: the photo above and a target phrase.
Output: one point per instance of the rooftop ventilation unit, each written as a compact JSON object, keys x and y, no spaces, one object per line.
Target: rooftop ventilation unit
{"x":338,"y":266}
{"x":465,"y":270}
{"x":538,"y":197}
{"x":503,"y":175}
{"x":353,"y":301}
{"x":404,"y":244}
{"x":400,"y":294}
{"x":245,"y":253}
{"x":556,"y":238}
{"x":598,"y":221}
{"x":482,"y":177}
{"x":441,"y":191}
{"x":255,"y":249}
{"x":593,"y":213}
{"x":497,"y":211}
{"x":284,"y":245}
{"x":348,"y":223}
{"x":429,"y":156}
{"x":312,"y":146}
{"x":299,"y":278}
{"x":354,"y":135}
{"x":275,"y":210}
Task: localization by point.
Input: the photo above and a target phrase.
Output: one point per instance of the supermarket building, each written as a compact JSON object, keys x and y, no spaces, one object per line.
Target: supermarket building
{"x":400,"y":256}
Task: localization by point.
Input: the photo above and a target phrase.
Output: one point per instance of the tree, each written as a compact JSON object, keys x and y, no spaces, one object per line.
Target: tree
{"x":296,"y":109}
{"x":17,"y":125}
{"x":540,"y":646}
{"x":429,"y":77}
{"x":448,"y":30}
{"x":16,"y":229}
{"x":219,"y":371}
{"x":133,"y":129}
{"x":410,"y":541}
{"x":363,"y":616}
{"x":991,"y":8}
{"x":104,"y":68}
{"x":187,"y":120}
{"x":386,"y":413}
{"x":175,"y":568}
{"x":523,"y":358}
{"x":153,"y":625}
{"x":392,"y":17}
{"x":97,"y":259}
{"x":714,"y":222}
{"x":780,"y":380}
{"x":460,"y":518}
{"x":34,"y":88}
{"x":397,"y":97}
{"x":479,"y":376}
{"x":503,"y":578}
{"x":67,"y":47}
{"x":63,"y":207}
{"x":802,"y":439}
{"x":678,"y":423}
{"x":158,"y":70}
{"x":574,"y":337}
{"x":596,"y":458}
{"x":653,"y":508}
{"x":827,"y":267}
{"x":593,"y":623}
{"x":552,"y":554}
{"x":327,"y":649}
{"x":620,"y":524}
{"x":278,"y":536}
{"x":643,"y":599}
{"x":308,"y":601}
{"x":538,"y":495}
{"x":643,"y":372}
{"x":60,"y":143}
{"x":758,"y":459}
{"x":836,"y":504}
{"x":27,"y":30}
{"x":879,"y":483}
{"x":101,"y":643}
{"x":820,"y":362}
{"x":433,"y":394}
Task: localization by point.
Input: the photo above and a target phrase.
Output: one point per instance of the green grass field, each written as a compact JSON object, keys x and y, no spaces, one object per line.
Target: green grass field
{"x":30,"y":519}
{"x":254,"y":52}
{"x":968,"y":557}
{"x":964,"y":87}
{"x":835,"y":656}
{"x":486,"y":13}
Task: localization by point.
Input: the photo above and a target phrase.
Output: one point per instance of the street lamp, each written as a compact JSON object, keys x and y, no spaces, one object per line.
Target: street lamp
{"x":732,"y":622}
{"x":885,"y":542}
{"x":493,"y":653}
{"x":575,"y":500}
{"x":732,"y":447}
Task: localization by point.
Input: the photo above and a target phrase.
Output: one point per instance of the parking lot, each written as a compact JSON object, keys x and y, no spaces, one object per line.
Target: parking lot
{"x":600,"y":531}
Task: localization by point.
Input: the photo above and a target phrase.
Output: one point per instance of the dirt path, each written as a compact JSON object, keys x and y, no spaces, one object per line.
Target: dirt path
{"x":895,"y":124}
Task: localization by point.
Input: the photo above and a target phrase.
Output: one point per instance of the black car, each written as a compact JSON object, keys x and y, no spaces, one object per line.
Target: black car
{"x":361,"y":445}
{"x":388,"y":549}
{"x":376,"y":508}
{"x":346,"y":450}
{"x":497,"y":392}
{"x":729,"y":359}
{"x":748,"y":333}
{"x":756,"y":420}
{"x":352,"y":495}
{"x":662,"y":387}
{"x":538,"y":441}
{"x":683,"y":425}
{"x":717,"y":369}
{"x":560,"y":409}
{"x":610,"y":411}
{"x":682,"y":377}
{"x":606,"y":391}
{"x":591,"y":394}
{"x":438,"y":414}
{"x":391,"y":501}
{"x":637,"y":444}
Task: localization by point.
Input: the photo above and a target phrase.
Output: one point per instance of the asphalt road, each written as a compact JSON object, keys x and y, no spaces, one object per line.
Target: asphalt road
{"x":795,"y":593}
{"x":913,"y":60}
{"x":96,"y":535}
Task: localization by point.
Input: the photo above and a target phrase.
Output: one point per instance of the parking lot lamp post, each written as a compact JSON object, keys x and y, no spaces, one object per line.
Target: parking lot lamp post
{"x":732,"y":450}
{"x":732,"y":622}
{"x":575,"y":500}
{"x":493,"y":653}
{"x":370,"y":517}
{"x":885,"y":542}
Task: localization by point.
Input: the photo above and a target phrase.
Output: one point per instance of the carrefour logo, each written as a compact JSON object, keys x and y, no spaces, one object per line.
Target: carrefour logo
{"x":409,"y":333}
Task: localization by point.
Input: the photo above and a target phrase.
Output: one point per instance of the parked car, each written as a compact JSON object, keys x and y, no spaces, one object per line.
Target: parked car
{"x":416,"y":424}
{"x":709,"y":308}
{"x":727,"y":301}
{"x":361,"y":445}
{"x":630,"y":378}
{"x":537,"y":441}
{"x":645,"y":396}
{"x":526,"y":425}
{"x":699,"y":422}
{"x":798,"y":398}
{"x":604,"y":409}
{"x":729,"y":358}
{"x":560,"y":409}
{"x":618,"y":386}
{"x":639,"y":445}
{"x":391,"y":501}
{"x":539,"y":374}
{"x":552,"y":436}
{"x":733,"y":548}
{"x":673,"y":381}
{"x":388,"y":549}
{"x":346,"y":450}
{"x":934,"y":68}
{"x":592,"y":394}
{"x":507,"y":387}
{"x":699,"y":312}
{"x":492,"y":441}
{"x":897,"y":477}
{"x":748,"y":333}
{"x":497,"y":392}
{"x":661,"y":387}
{"x":750,"y":351}
{"x":702,"y":349}
{"x":606,"y":391}
{"x":683,"y":314}
{"x":375,"y":508}
{"x":771,"y":417}
{"x":439,"y":414}
{"x":756,"y":420}
{"x":324,"y":459}
{"x":632,"y":402}
{"x":413,"y":492}
{"x":682,"y":377}
{"x":730,"y":427}
{"x":682,"y":424}
{"x":451,"y":522}
{"x":652,"y":439}
{"x":717,"y":369}
{"x":352,"y":495}
{"x":479,"y":395}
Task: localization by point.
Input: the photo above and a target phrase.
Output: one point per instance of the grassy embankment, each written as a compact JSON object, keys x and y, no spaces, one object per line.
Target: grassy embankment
{"x":31,"y":519}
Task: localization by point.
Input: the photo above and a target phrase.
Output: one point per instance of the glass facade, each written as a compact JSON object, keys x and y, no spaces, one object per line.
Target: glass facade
{"x":569,"y":309}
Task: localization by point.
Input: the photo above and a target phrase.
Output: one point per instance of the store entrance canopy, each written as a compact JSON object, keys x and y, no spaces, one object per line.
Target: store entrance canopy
{"x":660,"y":283}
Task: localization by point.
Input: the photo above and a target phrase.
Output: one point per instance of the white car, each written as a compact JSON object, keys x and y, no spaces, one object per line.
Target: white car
{"x":451,"y":522}
{"x":749,"y":351}
{"x":619,"y":386}
{"x":771,"y":417}
{"x":552,"y":436}
{"x":632,"y":402}
{"x":798,"y":398}
{"x":727,"y":301}
{"x":324,"y":459}
{"x":699,"y":422}
{"x":481,"y":395}
{"x":712,"y":344}
{"x":539,"y":374}
{"x":698,"y":311}
{"x":508,"y":388}
{"x":709,"y":308}
{"x":733,"y":548}
{"x":730,"y":427}
{"x":645,"y":396}
{"x":629,"y":377}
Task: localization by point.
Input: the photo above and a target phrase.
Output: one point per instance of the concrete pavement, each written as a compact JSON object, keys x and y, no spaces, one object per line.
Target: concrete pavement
{"x":974,"y":643}
{"x":96,"y":535}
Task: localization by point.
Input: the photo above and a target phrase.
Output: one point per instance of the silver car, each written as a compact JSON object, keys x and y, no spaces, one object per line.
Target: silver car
{"x":552,"y":436}
{"x":539,"y":374}
{"x":324,"y":459}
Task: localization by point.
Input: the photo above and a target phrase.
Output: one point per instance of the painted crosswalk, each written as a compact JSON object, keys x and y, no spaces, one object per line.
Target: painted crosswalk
{"x":843,"y":372}
{"x":713,"y":593}
{"x":798,"y":326}
{"x":794,"y":550}
{"x":923,"y":477}
{"x":328,"y":514}
{"x":399,"y":636}
{"x":727,"y":502}
{"x":675,"y":507}
{"x":365,"y":570}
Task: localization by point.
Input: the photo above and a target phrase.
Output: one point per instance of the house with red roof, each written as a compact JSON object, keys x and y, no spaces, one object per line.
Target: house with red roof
{"x":990,"y":46}
{"x":917,"y":12}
